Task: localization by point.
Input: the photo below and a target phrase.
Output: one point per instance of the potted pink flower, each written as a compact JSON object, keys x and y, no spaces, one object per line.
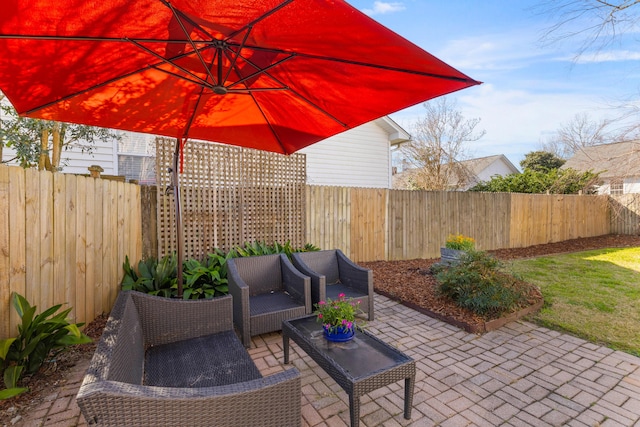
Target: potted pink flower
{"x":338,"y":317}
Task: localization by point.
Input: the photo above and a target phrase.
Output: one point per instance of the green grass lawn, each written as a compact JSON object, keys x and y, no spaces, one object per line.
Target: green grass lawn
{"x":594,"y":295}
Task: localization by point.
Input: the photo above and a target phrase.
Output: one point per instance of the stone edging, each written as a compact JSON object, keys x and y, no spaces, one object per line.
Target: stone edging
{"x":491,"y":325}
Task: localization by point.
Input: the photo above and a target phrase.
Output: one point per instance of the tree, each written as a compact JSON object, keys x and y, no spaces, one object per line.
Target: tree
{"x":580,"y":132}
{"x":541,"y":161}
{"x":597,"y":22}
{"x":39,"y":143}
{"x":439,"y":144}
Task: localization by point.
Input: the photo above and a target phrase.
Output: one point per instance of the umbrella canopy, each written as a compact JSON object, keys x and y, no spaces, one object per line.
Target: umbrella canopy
{"x":268,"y":74}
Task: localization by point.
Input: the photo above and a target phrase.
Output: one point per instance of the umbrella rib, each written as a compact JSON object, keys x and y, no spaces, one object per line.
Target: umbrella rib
{"x":190,"y":40}
{"x":260,"y":18}
{"x":260,"y":70}
{"x":273,"y":131}
{"x":171,"y":63}
{"x":314,"y":105}
{"x":98,"y":39}
{"x":186,"y":18}
{"x":362,"y":64}
{"x":108,"y":82}
{"x":235,"y":58}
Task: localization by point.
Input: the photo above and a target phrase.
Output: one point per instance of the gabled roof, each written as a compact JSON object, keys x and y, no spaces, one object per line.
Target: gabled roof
{"x":619,"y":159}
{"x":476,"y":166}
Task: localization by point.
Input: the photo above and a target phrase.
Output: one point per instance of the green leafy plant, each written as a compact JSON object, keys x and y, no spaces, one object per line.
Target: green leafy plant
{"x":340,"y":313}
{"x":460,"y":242}
{"x":38,"y":337}
{"x":261,"y":248}
{"x":154,"y":277}
{"x":202,"y":279}
{"x":478,"y":284}
{"x":207,"y":279}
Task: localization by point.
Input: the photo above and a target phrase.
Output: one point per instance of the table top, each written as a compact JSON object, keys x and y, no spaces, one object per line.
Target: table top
{"x":362,"y":356}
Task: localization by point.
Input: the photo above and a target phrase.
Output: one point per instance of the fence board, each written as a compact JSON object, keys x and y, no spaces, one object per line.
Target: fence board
{"x":70,"y":283}
{"x":32,"y":200}
{"x":81,"y":250}
{"x":59,"y":235}
{"x":5,"y":262}
{"x":89,"y":248}
{"x":17,"y":237}
{"x":96,"y":248}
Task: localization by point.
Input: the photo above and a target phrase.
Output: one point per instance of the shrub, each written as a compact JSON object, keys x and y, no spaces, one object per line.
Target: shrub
{"x":478,"y":284}
{"x":38,"y":337}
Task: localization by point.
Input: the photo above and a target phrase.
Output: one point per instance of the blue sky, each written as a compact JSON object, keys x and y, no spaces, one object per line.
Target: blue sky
{"x":529,"y":89}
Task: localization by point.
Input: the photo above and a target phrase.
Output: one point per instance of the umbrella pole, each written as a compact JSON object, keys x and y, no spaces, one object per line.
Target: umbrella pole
{"x":179,"y":230}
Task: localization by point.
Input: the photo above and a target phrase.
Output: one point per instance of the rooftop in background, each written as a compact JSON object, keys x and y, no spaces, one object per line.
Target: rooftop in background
{"x":615,"y":160}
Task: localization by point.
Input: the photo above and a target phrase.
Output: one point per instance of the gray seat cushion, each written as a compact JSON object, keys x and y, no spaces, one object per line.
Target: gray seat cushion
{"x":208,"y":361}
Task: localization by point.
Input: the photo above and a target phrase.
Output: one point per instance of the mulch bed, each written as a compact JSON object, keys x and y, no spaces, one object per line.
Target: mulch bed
{"x":407,"y":281}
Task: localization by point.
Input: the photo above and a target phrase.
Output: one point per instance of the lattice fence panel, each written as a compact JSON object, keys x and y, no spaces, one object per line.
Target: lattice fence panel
{"x":229,"y":196}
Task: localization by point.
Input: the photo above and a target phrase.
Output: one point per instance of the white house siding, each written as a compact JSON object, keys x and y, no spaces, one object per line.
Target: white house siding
{"x":103,"y":154}
{"x":496,"y":168}
{"x":629,"y":186}
{"x":359,"y":157}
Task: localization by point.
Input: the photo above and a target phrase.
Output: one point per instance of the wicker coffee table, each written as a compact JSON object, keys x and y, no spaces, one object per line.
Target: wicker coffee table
{"x":359,"y":366}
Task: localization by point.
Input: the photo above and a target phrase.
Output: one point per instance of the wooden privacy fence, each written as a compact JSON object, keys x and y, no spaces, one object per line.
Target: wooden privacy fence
{"x":230,"y":196}
{"x":63,"y":239}
{"x":625,"y":214}
{"x":380,"y":224}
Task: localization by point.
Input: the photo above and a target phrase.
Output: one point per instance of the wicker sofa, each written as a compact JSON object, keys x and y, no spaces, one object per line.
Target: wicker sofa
{"x":167,"y":362}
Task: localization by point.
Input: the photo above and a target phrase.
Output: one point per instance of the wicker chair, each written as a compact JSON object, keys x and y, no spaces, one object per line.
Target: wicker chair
{"x":266,"y":290}
{"x":168,"y":362}
{"x":332,"y":273}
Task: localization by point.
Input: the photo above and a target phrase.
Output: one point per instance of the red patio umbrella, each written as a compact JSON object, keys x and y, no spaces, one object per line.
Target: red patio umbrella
{"x":268,"y":74}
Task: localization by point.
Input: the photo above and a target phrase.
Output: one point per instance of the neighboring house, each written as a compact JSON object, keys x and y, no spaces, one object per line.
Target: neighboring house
{"x":467,"y":173}
{"x":483,"y":169}
{"x":359,"y":157}
{"x":75,"y":160}
{"x":618,"y":164}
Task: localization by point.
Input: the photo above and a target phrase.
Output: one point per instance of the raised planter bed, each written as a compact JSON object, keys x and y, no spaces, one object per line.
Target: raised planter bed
{"x":476,"y":328}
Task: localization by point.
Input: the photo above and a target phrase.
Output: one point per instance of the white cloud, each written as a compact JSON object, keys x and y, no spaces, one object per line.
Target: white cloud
{"x":382,"y":7}
{"x":507,"y":51}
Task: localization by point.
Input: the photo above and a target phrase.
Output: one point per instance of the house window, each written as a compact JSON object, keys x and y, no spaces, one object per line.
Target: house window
{"x":140,"y":167}
{"x":616,"y":186}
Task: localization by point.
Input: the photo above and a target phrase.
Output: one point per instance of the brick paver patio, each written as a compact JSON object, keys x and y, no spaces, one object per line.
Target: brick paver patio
{"x":520,"y":375}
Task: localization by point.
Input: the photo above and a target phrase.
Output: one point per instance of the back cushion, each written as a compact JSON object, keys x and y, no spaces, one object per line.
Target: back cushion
{"x":261,"y":273}
{"x":127,"y":360}
{"x":323,"y":262}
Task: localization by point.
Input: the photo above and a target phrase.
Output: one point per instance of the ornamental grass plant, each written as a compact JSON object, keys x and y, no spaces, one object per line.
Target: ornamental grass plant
{"x":479,"y":284}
